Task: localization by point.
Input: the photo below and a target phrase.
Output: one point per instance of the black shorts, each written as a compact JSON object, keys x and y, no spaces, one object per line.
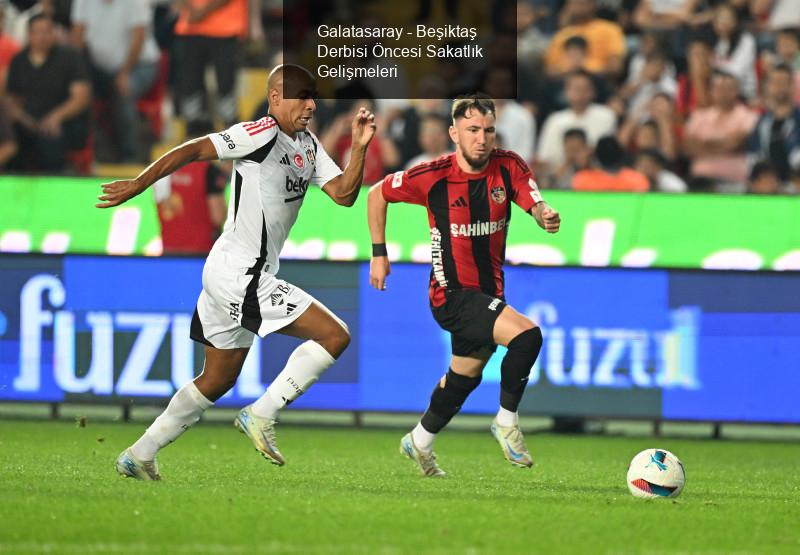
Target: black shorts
{"x":469,"y":316}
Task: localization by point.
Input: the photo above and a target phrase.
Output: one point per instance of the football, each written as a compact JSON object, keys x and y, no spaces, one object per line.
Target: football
{"x":655,"y":473}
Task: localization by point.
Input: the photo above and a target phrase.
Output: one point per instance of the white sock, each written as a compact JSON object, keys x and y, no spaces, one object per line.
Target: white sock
{"x":423,"y":439}
{"x":184,"y":409}
{"x":506,"y":418}
{"x":304,"y":367}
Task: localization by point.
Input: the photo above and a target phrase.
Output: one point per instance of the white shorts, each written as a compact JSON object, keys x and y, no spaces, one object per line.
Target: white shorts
{"x":233,"y":307}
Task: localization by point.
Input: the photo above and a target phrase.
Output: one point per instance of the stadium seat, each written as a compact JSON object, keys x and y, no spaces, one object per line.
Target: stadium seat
{"x":150,"y":104}
{"x":82,"y":161}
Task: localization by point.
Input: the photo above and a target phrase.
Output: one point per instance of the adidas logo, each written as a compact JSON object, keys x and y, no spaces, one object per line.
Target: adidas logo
{"x":285,"y":160}
{"x":276,"y":298}
{"x":290,"y":308}
{"x":458,"y":203}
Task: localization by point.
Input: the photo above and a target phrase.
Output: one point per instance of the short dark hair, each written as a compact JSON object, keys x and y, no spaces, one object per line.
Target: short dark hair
{"x":481,"y":102}
{"x":762,"y":168}
{"x":38,"y":17}
{"x":609,"y":152}
{"x":576,"y":41}
{"x":781,"y":68}
{"x":575,"y":133}
{"x":792,"y":32}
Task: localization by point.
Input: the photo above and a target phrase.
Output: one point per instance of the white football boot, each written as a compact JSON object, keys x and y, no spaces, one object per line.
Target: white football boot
{"x":129,"y":466}
{"x":513,"y":445}
{"x":425,"y":461}
{"x":261,"y":432}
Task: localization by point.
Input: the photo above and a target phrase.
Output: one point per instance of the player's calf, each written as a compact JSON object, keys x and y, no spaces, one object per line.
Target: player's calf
{"x":516,"y":367}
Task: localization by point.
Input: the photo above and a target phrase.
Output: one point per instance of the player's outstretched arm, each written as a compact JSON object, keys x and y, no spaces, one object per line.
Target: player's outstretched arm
{"x":547,"y":217}
{"x":117,"y":192}
{"x":344,"y":188}
{"x":376,"y":217}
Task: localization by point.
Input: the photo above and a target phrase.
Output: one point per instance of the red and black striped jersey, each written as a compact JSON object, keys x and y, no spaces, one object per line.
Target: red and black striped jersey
{"x":468,"y":214}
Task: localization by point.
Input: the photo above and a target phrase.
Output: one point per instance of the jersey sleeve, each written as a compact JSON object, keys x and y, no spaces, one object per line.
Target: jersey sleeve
{"x":524,"y":190}
{"x":325,"y":168}
{"x":400,"y":187}
{"x":245,"y":140}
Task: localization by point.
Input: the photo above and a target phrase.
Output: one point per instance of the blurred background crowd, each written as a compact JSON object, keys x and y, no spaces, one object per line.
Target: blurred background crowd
{"x":629,"y":95}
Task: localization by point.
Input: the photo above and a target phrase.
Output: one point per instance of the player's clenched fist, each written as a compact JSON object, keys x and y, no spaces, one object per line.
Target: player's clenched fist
{"x":379,"y":268}
{"x":363,"y":128}
{"x":547,"y":217}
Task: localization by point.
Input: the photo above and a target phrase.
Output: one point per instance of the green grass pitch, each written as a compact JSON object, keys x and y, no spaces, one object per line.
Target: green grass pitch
{"x":349,"y":491}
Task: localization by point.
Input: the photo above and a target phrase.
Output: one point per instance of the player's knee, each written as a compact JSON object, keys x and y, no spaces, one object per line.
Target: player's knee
{"x":522,"y":353}
{"x":527,"y":342}
{"x":448,"y":397}
{"x":337,"y":340}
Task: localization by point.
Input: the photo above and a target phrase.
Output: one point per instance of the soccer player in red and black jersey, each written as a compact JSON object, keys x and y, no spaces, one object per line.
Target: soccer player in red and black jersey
{"x":468,"y":195}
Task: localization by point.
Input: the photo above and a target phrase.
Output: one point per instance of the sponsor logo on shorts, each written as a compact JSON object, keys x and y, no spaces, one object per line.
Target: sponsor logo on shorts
{"x":290,"y":308}
{"x":236,"y":311}
{"x":494,"y":304}
{"x":276,"y":299}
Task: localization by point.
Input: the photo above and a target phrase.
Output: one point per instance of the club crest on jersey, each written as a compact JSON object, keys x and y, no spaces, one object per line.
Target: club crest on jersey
{"x":310,"y":155}
{"x":498,"y":195}
{"x":298,"y":161}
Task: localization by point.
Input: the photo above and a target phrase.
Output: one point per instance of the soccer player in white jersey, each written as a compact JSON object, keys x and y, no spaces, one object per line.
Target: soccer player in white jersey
{"x":275,"y":159}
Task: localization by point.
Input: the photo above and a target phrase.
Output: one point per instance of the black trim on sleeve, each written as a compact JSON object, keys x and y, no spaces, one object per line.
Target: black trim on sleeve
{"x":261,"y":153}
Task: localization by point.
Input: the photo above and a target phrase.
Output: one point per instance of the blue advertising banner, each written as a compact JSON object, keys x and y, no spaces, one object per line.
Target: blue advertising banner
{"x":688,"y":345}
{"x":82,"y":328}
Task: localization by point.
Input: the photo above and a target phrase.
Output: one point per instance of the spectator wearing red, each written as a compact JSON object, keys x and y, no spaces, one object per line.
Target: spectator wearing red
{"x":191,"y":206}
{"x":8,"y":48}
{"x":382,"y":154}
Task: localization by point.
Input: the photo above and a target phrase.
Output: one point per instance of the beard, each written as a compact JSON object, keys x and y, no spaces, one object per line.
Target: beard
{"x":474,"y":162}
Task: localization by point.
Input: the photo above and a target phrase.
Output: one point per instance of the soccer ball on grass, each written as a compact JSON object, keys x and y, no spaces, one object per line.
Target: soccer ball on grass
{"x":656,"y":473}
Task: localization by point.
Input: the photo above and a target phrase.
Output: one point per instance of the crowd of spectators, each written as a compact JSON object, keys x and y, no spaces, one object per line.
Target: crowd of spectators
{"x":633,"y":95}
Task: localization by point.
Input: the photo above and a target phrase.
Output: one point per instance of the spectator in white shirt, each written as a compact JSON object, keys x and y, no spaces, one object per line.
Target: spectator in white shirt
{"x":596,"y":120}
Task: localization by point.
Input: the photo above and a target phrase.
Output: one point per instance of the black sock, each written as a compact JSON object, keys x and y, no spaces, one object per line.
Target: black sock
{"x":446,"y":401}
{"x":516,"y":367}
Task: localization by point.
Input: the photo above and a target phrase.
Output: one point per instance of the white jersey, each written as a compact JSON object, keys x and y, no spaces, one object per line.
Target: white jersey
{"x":271,"y":174}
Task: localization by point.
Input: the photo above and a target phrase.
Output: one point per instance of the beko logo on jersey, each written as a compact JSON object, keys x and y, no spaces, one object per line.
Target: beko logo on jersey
{"x":298,"y":185}
{"x":228,"y":140}
{"x":477,"y":229}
